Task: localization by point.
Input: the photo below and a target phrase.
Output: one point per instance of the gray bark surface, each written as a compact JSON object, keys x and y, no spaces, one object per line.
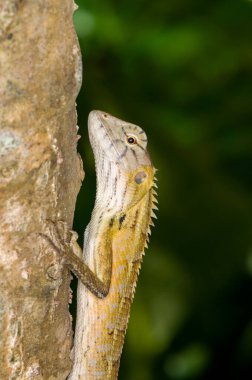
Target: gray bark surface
{"x":40,"y":176}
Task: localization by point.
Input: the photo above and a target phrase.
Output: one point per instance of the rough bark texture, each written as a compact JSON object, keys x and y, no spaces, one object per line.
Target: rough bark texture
{"x":40,"y":176}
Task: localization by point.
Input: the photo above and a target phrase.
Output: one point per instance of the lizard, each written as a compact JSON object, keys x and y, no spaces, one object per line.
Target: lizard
{"x":114,"y":243}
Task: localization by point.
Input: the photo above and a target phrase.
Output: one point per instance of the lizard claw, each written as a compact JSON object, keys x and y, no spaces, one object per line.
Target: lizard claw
{"x":61,"y":239}
{"x":58,"y":231}
{"x":57,"y":236}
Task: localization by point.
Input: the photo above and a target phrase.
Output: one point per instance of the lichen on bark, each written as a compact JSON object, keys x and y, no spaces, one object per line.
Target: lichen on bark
{"x":40,"y":176}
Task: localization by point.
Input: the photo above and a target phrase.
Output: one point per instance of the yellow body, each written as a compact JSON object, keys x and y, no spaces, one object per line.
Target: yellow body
{"x":106,"y":319}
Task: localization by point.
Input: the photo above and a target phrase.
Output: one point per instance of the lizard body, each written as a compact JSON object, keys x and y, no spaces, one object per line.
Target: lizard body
{"x":114,"y":244}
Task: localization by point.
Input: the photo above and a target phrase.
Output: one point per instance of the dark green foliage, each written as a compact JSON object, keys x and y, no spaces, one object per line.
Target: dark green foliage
{"x":182,"y":70}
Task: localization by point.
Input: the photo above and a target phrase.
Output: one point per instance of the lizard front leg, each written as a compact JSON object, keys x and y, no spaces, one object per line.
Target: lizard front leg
{"x":64,"y":243}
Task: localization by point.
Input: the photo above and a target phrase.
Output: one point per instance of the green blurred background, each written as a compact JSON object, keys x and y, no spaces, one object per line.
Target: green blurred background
{"x":182,"y":70}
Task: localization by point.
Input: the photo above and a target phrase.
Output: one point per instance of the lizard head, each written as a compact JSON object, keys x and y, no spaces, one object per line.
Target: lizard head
{"x":122,"y":143}
{"x":122,"y":146}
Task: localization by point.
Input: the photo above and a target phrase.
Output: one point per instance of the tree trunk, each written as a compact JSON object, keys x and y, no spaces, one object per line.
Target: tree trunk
{"x":40,"y":176}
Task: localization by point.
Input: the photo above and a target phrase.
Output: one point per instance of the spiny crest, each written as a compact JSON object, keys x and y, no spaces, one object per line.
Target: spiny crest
{"x":155,"y":183}
{"x":154,"y":193}
{"x":153,"y":206}
{"x":154,"y":203}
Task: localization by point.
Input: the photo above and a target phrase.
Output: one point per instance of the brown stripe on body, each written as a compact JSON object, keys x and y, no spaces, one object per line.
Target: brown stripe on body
{"x":125,"y":192}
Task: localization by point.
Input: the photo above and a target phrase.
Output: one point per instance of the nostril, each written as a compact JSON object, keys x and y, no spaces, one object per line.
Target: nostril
{"x":105,"y":115}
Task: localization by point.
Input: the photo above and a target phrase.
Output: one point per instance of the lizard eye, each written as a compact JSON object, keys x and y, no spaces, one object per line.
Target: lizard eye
{"x":131,"y":140}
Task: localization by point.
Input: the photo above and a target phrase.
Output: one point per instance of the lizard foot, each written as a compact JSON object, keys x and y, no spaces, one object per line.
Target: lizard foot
{"x":57,"y":232}
{"x":63,"y":242}
{"x":59,"y":237}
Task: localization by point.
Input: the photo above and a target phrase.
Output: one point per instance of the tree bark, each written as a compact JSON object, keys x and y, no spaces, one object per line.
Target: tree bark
{"x":40,"y":176}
